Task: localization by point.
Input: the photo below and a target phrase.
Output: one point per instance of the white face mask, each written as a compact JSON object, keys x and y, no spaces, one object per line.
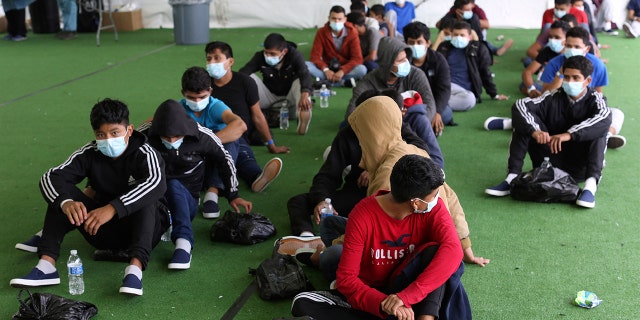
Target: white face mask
{"x":430,"y":205}
{"x":571,"y":52}
{"x":197,"y":106}
{"x":400,"y":3}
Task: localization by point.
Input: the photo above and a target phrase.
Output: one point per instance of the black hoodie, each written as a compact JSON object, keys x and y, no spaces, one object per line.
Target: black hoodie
{"x":200,"y":144}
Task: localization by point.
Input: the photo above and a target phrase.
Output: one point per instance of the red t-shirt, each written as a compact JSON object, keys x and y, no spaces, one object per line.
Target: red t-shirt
{"x":549,"y":16}
{"x":376,"y":245}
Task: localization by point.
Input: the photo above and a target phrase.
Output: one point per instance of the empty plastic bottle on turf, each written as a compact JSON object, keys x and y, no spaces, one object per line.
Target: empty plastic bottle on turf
{"x":324,"y":96}
{"x":327,"y":210}
{"x":76,"y":272}
{"x":546,"y":164}
{"x":166,"y":236}
{"x":284,"y":117}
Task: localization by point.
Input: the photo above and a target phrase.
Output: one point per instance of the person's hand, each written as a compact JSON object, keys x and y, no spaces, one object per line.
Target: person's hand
{"x":541,"y":137}
{"x":239,"y":202}
{"x":338,"y":76}
{"x":556,"y":142}
{"x":97,"y":217}
{"x":437,"y":124}
{"x":75,"y":211}
{"x":363,"y":179}
{"x":534,"y":93}
{"x":278,"y":149}
{"x":404,"y":313}
{"x":328,"y":74}
{"x":479,"y":261}
{"x":305,"y":103}
{"x":391,"y":303}
{"x":501,"y":97}
{"x":317,"y":211}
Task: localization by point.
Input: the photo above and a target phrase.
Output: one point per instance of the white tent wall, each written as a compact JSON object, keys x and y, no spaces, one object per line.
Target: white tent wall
{"x":313,"y":13}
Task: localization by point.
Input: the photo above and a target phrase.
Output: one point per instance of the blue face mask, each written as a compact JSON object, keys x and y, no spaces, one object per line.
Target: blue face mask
{"x":572,"y":52}
{"x":447,"y":38}
{"x":460,"y":42}
{"x":430,"y":205}
{"x":403,"y":69}
{"x":216,"y":70}
{"x":272,"y":61}
{"x":336,"y":26}
{"x":418,"y":51}
{"x":197,"y":106}
{"x":113,"y":147}
{"x":573,"y":89}
{"x":175,"y":145}
{"x":559,"y":13}
{"x":466,"y":15}
{"x":555,"y":45}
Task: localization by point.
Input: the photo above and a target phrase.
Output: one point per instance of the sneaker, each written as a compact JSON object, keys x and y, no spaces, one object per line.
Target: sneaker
{"x":131,"y":285}
{"x":114,"y":255}
{"x":7,"y":37}
{"x":303,"y":255}
{"x":350,"y":83}
{"x":269,"y":173}
{"x":611,"y":32}
{"x":68,"y":35}
{"x":615,"y":141}
{"x":36,"y":278}
{"x":505,"y":47}
{"x":501,"y":190}
{"x":210,"y":209}
{"x":304,"y":119}
{"x":586,"y":199}
{"x":18,"y":38}
{"x":497,"y":123}
{"x":291,"y":244}
{"x":181,"y":260}
{"x":628,"y":29}
{"x":30,"y":245}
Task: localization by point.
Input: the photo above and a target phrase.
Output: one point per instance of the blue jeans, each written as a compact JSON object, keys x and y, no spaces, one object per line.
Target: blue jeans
{"x":184,"y":208}
{"x":447,"y":115}
{"x":69,"y":9}
{"x":246,"y":164}
{"x":331,"y":228}
{"x":357,"y":73}
{"x":212,"y":175}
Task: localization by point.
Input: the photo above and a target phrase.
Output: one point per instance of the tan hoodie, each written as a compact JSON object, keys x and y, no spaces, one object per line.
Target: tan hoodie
{"x":376,"y":123}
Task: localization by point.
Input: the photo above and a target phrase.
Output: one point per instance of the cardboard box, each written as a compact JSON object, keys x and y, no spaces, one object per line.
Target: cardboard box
{"x":3,"y":24}
{"x":125,"y":20}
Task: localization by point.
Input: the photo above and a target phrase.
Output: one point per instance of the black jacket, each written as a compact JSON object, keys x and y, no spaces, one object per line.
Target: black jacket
{"x":200,"y":145}
{"x":129,"y":183}
{"x":478,"y":61}
{"x":437,"y":70}
{"x":279,"y":80}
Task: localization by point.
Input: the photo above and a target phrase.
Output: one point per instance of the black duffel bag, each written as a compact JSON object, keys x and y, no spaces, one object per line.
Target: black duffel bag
{"x":242,"y":228}
{"x":545,"y":185}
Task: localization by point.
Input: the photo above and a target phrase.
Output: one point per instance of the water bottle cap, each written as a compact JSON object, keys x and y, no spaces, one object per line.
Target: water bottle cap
{"x":546,"y":158}
{"x":327,"y":200}
{"x":74,"y":252}
{"x":324,"y":86}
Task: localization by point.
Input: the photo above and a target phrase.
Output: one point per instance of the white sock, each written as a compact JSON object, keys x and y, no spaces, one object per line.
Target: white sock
{"x":591,"y":185}
{"x":617,"y":119}
{"x":46,"y":266}
{"x":39,"y":234}
{"x":183,"y":244}
{"x":134,"y":270}
{"x":607,"y":26}
{"x":306,"y":234}
{"x":507,"y":124}
{"x":510,"y":177}
{"x":210,"y":196}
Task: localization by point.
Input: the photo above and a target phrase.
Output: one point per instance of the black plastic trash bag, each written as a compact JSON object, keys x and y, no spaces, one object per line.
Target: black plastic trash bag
{"x":545,"y":185}
{"x":242,"y":228}
{"x":52,"y":307}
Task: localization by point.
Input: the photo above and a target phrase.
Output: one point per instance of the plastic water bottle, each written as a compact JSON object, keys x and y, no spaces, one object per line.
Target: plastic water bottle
{"x":324,"y":96}
{"x":76,"y":271}
{"x":166,"y":236}
{"x":284,"y":117}
{"x":546,"y":164}
{"x":327,"y":210}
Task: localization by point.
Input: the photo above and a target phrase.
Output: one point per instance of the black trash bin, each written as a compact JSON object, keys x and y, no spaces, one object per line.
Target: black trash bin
{"x":44,"y":16}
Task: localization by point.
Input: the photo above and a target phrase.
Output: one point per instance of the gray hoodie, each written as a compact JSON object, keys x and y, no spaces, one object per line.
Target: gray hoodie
{"x":388,"y":50}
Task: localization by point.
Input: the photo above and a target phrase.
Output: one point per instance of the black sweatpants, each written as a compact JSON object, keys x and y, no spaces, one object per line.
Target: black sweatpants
{"x":581,"y":159}
{"x":137,"y":233}
{"x":16,"y":25}
{"x":332,"y":305}
{"x":300,"y":207}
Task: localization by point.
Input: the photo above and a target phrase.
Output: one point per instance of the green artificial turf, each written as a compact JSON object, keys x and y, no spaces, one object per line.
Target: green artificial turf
{"x":541,"y":254}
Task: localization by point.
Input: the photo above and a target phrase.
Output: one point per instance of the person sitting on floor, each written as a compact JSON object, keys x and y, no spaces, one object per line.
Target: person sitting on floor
{"x":185,"y":145}
{"x":568,"y":125}
{"x":127,"y":180}
{"x":369,"y":39}
{"x":632,"y":26}
{"x":214,"y":114}
{"x":406,"y":269}
{"x":284,"y":76}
